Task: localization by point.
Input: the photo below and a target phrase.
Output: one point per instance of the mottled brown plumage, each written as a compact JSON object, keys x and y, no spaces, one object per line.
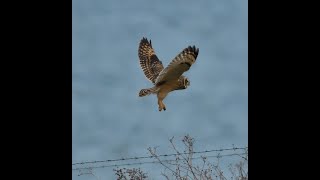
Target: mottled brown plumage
{"x":149,"y":61}
{"x":167,"y":79}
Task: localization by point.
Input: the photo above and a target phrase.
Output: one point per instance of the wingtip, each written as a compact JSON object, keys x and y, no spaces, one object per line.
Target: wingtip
{"x":193,"y":49}
{"x":145,"y":40}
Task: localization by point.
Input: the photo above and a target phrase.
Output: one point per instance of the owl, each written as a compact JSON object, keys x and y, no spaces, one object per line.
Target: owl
{"x":165,"y":80}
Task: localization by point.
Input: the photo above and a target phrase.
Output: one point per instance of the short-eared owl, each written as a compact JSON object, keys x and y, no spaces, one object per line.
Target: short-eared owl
{"x":166,"y":79}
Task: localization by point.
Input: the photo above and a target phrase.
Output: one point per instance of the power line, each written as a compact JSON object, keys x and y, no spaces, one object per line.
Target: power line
{"x":162,"y":155}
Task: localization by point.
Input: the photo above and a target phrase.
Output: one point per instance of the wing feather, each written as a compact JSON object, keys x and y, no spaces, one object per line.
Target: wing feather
{"x":149,"y":62}
{"x":180,"y":64}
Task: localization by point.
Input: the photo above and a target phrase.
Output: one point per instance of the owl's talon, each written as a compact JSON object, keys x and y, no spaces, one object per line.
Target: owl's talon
{"x":162,"y":108}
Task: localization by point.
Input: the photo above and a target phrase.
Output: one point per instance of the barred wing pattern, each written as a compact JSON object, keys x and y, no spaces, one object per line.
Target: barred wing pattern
{"x":149,"y":62}
{"x":180,"y":64}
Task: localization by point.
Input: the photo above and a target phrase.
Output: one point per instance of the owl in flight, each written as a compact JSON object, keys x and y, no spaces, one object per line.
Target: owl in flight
{"x":165,"y":80}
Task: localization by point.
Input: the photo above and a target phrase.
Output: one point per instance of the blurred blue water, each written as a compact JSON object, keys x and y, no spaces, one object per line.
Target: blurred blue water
{"x":111,"y":121}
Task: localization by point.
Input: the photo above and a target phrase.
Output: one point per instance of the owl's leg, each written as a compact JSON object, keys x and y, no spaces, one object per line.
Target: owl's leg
{"x":161,"y":105}
{"x":161,"y":97}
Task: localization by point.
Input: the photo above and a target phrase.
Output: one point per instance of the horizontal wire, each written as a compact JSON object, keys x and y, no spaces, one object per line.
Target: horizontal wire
{"x":152,"y":162}
{"x":162,"y":155}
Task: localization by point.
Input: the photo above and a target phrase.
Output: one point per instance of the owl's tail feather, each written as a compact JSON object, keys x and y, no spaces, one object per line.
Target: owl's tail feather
{"x":146,"y":92}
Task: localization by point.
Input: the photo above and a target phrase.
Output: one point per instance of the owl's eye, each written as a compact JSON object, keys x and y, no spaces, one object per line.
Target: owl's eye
{"x":186,"y":83}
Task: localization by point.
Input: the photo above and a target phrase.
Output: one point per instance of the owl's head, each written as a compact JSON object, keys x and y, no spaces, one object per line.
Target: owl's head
{"x":186,"y":82}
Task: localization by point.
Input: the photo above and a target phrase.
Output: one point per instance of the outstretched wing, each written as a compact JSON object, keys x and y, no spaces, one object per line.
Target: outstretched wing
{"x":180,"y":64}
{"x":149,"y":62}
